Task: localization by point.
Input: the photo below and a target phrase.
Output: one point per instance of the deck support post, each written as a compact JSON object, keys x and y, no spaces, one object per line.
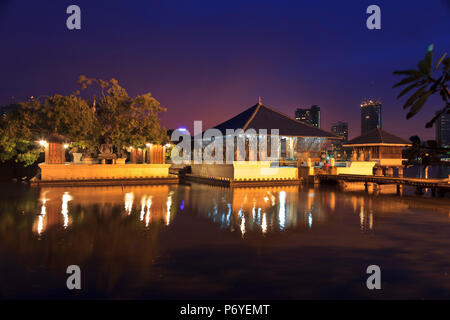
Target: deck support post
{"x":399,"y":189}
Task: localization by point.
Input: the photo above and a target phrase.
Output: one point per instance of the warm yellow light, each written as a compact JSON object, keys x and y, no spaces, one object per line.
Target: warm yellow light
{"x":129,"y":196}
{"x":65,"y":208}
{"x":264,"y":223}
{"x":43,"y":143}
{"x":148,"y":144}
{"x":66,"y":146}
{"x":243,"y":225}
{"x":168,"y":145}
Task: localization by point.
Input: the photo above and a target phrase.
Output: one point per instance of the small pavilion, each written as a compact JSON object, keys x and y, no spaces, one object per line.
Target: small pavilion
{"x":380,"y":146}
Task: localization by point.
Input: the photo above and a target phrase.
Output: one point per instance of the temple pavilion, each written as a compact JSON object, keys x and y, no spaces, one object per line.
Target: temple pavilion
{"x":299,"y":141}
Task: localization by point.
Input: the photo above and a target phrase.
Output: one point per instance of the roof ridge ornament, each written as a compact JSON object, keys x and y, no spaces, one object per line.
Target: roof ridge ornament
{"x":260,"y":101}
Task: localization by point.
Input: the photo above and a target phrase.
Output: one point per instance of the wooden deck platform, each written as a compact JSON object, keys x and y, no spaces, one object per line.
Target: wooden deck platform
{"x":240,"y":183}
{"x":171,"y":179}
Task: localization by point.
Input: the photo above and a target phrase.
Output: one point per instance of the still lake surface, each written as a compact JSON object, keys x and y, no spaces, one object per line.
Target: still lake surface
{"x":205,"y":242}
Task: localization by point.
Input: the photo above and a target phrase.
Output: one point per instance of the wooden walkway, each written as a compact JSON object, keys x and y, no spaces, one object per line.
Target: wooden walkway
{"x":433,"y":184}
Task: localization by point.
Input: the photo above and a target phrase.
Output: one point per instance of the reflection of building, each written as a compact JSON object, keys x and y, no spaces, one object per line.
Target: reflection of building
{"x":379,"y":146}
{"x":259,"y":144}
{"x":443,"y":130}
{"x":370,"y":116}
{"x":310,"y":116}
{"x":149,"y":204}
{"x":341,"y":130}
{"x":54,"y":210}
{"x":260,"y":210}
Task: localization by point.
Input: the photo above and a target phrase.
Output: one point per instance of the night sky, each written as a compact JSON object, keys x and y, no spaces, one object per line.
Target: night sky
{"x":209,"y":60}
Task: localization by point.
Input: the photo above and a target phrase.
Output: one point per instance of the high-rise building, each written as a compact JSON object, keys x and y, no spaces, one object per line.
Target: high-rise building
{"x":370,"y":116}
{"x":443,"y":130}
{"x":310,"y":116}
{"x":341,"y":130}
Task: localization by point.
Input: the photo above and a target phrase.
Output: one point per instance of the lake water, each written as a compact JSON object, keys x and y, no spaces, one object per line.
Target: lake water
{"x":204,"y":242}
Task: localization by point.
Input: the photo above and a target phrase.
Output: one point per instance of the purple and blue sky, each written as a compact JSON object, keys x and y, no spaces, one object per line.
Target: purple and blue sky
{"x":209,"y":60}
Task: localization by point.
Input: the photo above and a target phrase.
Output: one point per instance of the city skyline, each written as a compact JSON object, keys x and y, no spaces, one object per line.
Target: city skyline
{"x":310,"y":56}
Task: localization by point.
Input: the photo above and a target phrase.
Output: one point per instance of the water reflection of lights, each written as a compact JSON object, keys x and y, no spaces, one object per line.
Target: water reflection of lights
{"x":146,"y":203}
{"x":311,"y":195}
{"x":273,"y":198}
{"x":261,"y":210}
{"x":332,"y":201}
{"x":65,"y":208}
{"x":147,"y":214}
{"x":155,"y":208}
{"x":264,"y":223}
{"x":365,"y":220}
{"x":282,"y":211}
{"x":361,"y":217}
{"x":242,"y":226}
{"x":354,"y":203}
{"x":129,"y":197}
{"x":143,"y":203}
{"x":169,"y":205}
{"x":40,"y":226}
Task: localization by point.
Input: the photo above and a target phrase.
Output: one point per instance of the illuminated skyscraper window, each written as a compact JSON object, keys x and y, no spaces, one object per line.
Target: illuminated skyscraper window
{"x":310,"y":116}
{"x":370,"y":116}
{"x":443,"y":130}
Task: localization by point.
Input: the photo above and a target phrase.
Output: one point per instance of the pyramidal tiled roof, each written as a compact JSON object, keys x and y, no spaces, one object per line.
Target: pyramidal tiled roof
{"x":262,"y":117}
{"x":378,"y":136}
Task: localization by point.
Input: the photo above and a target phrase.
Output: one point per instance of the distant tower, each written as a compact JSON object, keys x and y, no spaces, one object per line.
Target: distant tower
{"x":310,"y":116}
{"x":341,"y":130}
{"x":370,"y":116}
{"x":443,"y":130}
